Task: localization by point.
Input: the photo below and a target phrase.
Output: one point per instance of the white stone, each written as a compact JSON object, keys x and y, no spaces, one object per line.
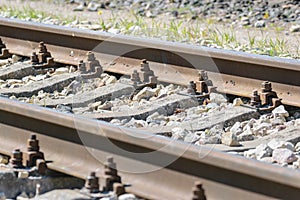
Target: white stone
{"x":267,"y":159}
{"x":218,"y":98}
{"x":236,"y":128}
{"x":15,"y":58}
{"x":215,"y":139}
{"x":262,"y":151}
{"x":230,"y":139}
{"x":23,"y":174}
{"x":95,"y":105}
{"x":251,"y":153}
{"x":3,"y":160}
{"x":110,"y":80}
{"x":179,"y":133}
{"x":61,"y":70}
{"x":113,"y":31}
{"x":275,"y":144}
{"x":283,"y":155}
{"x":106,"y":106}
{"x":295,"y":28}
{"x":296,"y":164}
{"x":14,"y":81}
{"x":280,"y":110}
{"x":260,"y":24}
{"x":246,"y":136}
{"x":144,"y":93}
{"x":137,"y":123}
{"x":191,"y":138}
{"x":237,"y":102}
{"x":127,"y":197}
{"x":297,"y":146}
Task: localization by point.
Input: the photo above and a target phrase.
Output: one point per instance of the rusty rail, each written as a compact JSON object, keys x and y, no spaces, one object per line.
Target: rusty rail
{"x":78,"y":146}
{"x":232,"y":72}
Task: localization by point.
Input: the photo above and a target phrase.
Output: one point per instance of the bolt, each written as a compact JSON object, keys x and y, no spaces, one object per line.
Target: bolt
{"x":33,"y":143}
{"x":110,"y":174}
{"x":33,"y":151}
{"x":198,"y":192}
{"x":34,"y":58}
{"x":42,"y":47}
{"x":90,"y":56}
{"x":17,"y":158}
{"x":191,"y":87}
{"x":92,"y":183}
{"x":118,"y":189}
{"x":82,"y":67}
{"x":145,"y":65}
{"x":266,"y":86}
{"x":153,"y":80}
{"x":2,"y":45}
{"x":135,"y":76}
{"x":203,"y":75}
{"x":255,"y":98}
{"x":41,"y":166}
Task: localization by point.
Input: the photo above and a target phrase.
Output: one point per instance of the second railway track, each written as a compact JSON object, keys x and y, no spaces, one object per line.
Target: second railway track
{"x":64,"y":73}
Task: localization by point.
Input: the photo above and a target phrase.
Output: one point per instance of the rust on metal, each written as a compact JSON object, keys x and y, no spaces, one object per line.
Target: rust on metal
{"x":110,"y":174}
{"x":267,"y":100}
{"x":41,"y":166}
{"x":43,"y":58}
{"x":33,"y":151}
{"x":17,"y":159}
{"x":4,"y":51}
{"x":91,"y":68}
{"x":168,"y":60}
{"x":92,"y":183}
{"x":118,"y":189}
{"x":198,"y":192}
{"x":144,"y":77}
{"x":223,"y":176}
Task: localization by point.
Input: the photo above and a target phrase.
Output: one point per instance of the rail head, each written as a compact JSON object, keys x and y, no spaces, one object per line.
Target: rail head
{"x":143,"y":142}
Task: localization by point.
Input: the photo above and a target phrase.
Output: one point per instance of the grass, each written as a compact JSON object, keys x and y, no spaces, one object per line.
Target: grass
{"x":199,"y":31}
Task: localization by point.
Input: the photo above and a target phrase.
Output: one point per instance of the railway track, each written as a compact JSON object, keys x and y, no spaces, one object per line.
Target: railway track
{"x":65,"y":73}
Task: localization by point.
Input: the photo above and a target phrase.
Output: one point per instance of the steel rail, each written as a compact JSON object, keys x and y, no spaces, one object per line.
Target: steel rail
{"x":77,"y":146}
{"x":232,"y":72}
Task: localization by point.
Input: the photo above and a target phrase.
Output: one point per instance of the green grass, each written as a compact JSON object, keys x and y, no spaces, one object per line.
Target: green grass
{"x":179,"y":30}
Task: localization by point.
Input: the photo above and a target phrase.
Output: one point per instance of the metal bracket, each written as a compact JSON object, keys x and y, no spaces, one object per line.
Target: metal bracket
{"x":267,"y":100}
{"x":4,"y":51}
{"x":43,"y":58}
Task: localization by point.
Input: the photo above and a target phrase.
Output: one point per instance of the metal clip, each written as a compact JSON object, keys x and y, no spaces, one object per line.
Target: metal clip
{"x":43,"y":58}
{"x":4,"y":51}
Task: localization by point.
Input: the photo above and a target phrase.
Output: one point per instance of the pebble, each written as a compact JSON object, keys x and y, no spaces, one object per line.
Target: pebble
{"x":250,"y":153}
{"x":295,"y":28}
{"x":230,"y":139}
{"x":283,"y":155}
{"x":236,"y":128}
{"x":246,"y":136}
{"x":191,"y":138}
{"x":275,"y":144}
{"x":218,"y":98}
{"x":237,"y":102}
{"x":61,"y":70}
{"x":262,"y":151}
{"x":127,"y":197}
{"x":146,"y":92}
{"x":267,"y":159}
{"x":260,"y":24}
{"x":179,"y":133}
{"x":280,"y":111}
